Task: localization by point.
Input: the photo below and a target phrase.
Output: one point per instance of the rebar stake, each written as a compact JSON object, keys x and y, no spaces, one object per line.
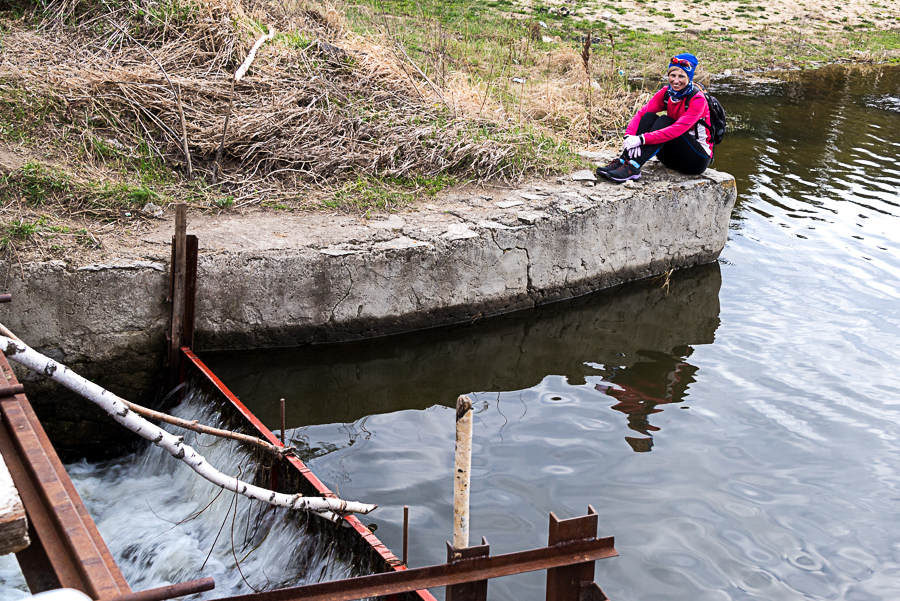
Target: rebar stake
{"x":282,"y":422}
{"x":406,"y":535}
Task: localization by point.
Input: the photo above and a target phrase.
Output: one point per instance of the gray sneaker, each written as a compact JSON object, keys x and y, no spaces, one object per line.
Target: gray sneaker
{"x":613,"y":164}
{"x":625,"y":172}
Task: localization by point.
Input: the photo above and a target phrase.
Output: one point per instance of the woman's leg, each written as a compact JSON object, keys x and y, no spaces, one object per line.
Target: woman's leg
{"x":647,"y":123}
{"x":684,"y":154}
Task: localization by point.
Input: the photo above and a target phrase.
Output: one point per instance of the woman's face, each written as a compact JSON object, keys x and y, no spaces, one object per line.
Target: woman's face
{"x":678,"y":79}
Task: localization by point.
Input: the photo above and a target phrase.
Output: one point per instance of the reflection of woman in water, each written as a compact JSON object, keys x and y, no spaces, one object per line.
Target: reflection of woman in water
{"x":641,"y":387}
{"x":680,"y":138}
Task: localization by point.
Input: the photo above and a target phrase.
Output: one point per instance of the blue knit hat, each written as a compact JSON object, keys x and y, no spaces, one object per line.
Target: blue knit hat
{"x":687,"y":62}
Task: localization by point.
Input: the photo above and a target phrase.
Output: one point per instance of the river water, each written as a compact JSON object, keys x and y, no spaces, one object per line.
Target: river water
{"x":737,"y":430}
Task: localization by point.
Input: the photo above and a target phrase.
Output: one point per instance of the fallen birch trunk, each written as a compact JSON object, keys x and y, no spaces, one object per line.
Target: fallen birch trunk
{"x":116,"y":408}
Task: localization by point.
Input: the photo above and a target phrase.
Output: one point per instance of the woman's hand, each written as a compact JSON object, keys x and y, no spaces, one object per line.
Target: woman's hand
{"x":633,"y":146}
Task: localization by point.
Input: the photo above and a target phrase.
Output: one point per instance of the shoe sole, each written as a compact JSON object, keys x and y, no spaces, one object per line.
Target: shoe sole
{"x":624,"y":179}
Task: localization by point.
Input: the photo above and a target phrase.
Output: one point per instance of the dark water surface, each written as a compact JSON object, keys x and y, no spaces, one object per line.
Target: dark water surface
{"x":738,"y":433}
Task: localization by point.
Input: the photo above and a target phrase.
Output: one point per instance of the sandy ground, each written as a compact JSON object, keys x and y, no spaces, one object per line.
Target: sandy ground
{"x":659,"y":16}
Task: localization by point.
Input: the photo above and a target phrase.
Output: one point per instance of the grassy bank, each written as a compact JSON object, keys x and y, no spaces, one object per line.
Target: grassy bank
{"x":360,"y":107}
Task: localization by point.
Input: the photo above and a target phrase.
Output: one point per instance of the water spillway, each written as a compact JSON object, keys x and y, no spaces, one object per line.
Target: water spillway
{"x":166,"y":525}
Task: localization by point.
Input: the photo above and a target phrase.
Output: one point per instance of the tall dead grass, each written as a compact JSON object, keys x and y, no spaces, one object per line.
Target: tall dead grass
{"x":321,"y":105}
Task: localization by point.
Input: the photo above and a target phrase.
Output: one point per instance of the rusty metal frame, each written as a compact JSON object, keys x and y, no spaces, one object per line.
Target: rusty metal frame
{"x":66,"y":548}
{"x":454,"y":573}
{"x":468,"y":591}
{"x":351,"y":520}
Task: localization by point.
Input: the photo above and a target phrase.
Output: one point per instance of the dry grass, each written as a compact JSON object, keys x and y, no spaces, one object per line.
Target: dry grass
{"x":323,"y":114}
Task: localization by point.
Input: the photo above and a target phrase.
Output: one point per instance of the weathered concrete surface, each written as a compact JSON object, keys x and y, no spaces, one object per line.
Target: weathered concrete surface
{"x":272,"y":279}
{"x":622,"y":327}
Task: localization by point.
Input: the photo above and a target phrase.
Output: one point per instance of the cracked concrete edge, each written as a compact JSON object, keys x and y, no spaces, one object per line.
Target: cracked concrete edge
{"x":115,"y":314}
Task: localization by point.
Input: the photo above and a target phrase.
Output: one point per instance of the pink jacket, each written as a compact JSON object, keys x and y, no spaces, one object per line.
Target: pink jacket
{"x":685,"y":120}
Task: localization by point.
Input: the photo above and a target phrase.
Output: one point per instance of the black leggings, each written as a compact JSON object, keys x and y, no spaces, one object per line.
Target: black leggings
{"x":684,"y":153}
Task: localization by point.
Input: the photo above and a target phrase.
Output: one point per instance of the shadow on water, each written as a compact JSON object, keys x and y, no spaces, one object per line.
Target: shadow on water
{"x":636,"y":336}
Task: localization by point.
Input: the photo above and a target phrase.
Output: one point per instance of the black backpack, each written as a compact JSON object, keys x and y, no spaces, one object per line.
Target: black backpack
{"x":716,"y":115}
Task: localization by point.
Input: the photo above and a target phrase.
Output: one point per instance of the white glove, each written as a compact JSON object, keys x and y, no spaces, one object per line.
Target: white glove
{"x":633,"y":146}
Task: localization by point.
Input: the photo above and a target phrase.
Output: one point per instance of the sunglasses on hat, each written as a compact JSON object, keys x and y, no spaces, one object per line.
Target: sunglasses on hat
{"x":680,"y":62}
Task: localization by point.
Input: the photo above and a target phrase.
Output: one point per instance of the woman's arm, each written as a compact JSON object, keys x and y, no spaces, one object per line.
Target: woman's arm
{"x":697,"y":109}
{"x":654,"y":105}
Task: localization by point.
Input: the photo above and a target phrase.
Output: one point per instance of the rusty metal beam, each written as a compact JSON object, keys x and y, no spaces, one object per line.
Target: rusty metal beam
{"x":565,"y":583}
{"x":458,"y":572}
{"x":177,"y":273}
{"x":468,"y":591}
{"x":66,"y":548}
{"x":172,"y":591}
{"x":7,"y":390}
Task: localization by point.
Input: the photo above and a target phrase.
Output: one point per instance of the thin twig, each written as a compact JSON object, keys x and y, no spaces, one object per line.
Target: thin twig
{"x":195,"y":426}
{"x":425,"y":77}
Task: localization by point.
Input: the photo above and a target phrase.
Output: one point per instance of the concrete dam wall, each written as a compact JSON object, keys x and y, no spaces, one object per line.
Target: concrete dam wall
{"x":269,"y":279}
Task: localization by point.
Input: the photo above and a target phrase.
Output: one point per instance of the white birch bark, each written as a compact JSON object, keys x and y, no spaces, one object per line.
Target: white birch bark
{"x":116,"y":408}
{"x":252,"y":54}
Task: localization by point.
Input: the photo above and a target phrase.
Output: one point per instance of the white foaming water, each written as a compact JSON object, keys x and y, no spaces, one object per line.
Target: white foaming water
{"x":164,"y":524}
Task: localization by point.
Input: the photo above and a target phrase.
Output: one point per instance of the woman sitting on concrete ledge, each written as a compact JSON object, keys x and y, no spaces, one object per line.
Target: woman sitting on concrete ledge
{"x":680,"y":139}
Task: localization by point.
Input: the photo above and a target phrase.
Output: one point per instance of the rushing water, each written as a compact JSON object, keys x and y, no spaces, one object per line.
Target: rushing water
{"x":164,"y":525}
{"x":737,"y":431}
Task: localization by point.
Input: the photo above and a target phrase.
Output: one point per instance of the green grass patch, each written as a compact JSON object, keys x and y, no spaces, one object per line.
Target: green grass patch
{"x":386,"y":192}
{"x":39,"y":183}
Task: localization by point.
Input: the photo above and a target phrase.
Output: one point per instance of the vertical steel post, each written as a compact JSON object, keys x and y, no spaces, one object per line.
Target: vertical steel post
{"x":190,"y":290}
{"x":281,"y":403}
{"x":567,"y":583}
{"x":461,"y":472}
{"x":406,"y":535}
{"x":469,"y":591}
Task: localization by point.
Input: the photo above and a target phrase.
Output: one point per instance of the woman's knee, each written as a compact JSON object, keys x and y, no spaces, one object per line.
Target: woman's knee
{"x":648,"y":123}
{"x":661,"y":122}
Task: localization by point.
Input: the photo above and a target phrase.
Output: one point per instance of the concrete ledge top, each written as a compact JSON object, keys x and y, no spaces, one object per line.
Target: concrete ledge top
{"x":456,"y":216}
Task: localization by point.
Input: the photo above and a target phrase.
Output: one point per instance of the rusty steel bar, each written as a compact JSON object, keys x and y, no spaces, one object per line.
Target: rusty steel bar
{"x":406,"y":535}
{"x":565,"y":583}
{"x":8,"y":390}
{"x":173,"y":591}
{"x":5,"y":298}
{"x":458,"y":572}
{"x":281,"y":403}
{"x":177,"y":273}
{"x":468,"y":591}
{"x":190,"y":289}
{"x":66,"y":548}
